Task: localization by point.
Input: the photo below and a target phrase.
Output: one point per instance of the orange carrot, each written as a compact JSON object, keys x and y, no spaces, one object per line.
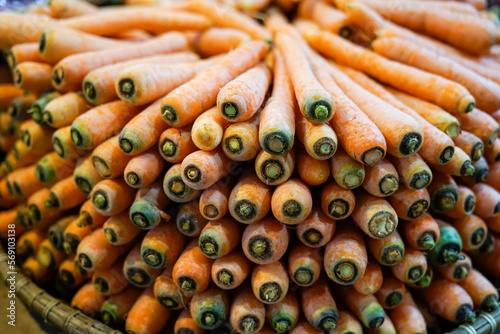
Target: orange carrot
{"x":208,"y":129}
{"x":51,"y":168}
{"x":96,"y":125}
{"x":481,"y":124}
{"x":55,"y":231}
{"x":110,"y":197}
{"x":40,"y":216}
{"x":7,"y":201}
{"x":241,"y":140}
{"x":456,"y":271}
{"x":178,"y":112}
{"x":19,"y":107}
{"x":319,"y":140}
{"x":231,"y":270}
{"x":265,"y":241}
{"x":62,"y":111}
{"x":23,"y":182}
{"x":210,"y":308}
{"x":483,"y":293}
{"x":220,"y":237}
{"x":162,"y":245}
{"x":114,"y":310}
{"x":65,"y":195}
{"x":175,"y":188}
{"x":23,"y":52}
{"x":85,"y":175}
{"x":319,"y":306}
{"x":304,"y":265}
{"x":381,"y":179}
{"x":33,"y":76}
{"x":70,"y":275}
{"x":201,"y":169}
{"x":317,"y":229}
{"x":109,"y":160}
{"x":241,"y":98}
{"x":492,"y":153}
{"x":270,"y":282}
{"x":137,"y":271}
{"x":410,"y":204}
{"x":39,"y":105}
{"x":119,"y":229}
{"x":110,"y":280}
{"x":214,"y":201}
{"x":374,"y":216}
{"x":73,"y":235}
{"x":147,"y":210}
{"x":69,"y":72}
{"x":48,"y":256}
{"x":176,"y":144}
{"x":274,"y":169}
{"x":64,"y":145}
{"x":443,"y":191}
{"x":312,"y":171}
{"x":345,"y":257}
{"x":347,"y":172}
{"x":70,"y":8}
{"x":191,"y":272}
{"x":167,"y":293}
{"x":36,"y":272}
{"x":471,"y":144}
{"x":8,"y":92}
{"x":387,"y":251}
{"x":494,"y":179}
{"x":247,"y":313}
{"x":189,"y":219}
{"x":283,"y":316}
{"x":186,"y":324}
{"x":488,"y":200}
{"x":36,"y":137}
{"x":327,"y":17}
{"x":372,"y":279}
{"x":422,"y":233}
{"x":214,"y":41}
{"x":407,"y":317}
{"x":493,"y":223}
{"x":8,"y":221}
{"x":472,"y":230}
{"x":88,"y":300}
{"x":147,"y":315}
{"x":465,"y":204}
{"x":391,"y":291}
{"x":291,"y":202}
{"x":29,"y":242}
{"x":412,"y":266}
{"x":459,"y":165}
{"x":277,"y":118}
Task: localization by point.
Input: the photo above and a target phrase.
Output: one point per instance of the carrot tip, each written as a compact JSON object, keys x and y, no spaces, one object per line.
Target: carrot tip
{"x":230,"y":110}
{"x":77,"y":137}
{"x":18,"y":77}
{"x":272,"y":170}
{"x":461,"y":272}
{"x":209,"y":319}
{"x":58,"y":75}
{"x":101,"y":285}
{"x":68,"y":248}
{"x":58,"y":147}
{"x":320,"y":112}
{"x":452,"y":256}
{"x":11,"y":61}
{"x":177,"y":187}
{"x":245,"y":209}
{"x":67,"y":277}
{"x":225,"y":277}
{"x":110,"y":235}
{"x":133,"y":179}
{"x":169,"y":114}
{"x":345,"y":32}
{"x":453,"y":130}
{"x":313,"y":237}
{"x":89,"y":91}
{"x":127,"y":88}
{"x":34,"y":212}
{"x":168,"y":302}
{"x":427,"y":242}
{"x":393,"y":298}
{"x":270,"y":292}
{"x":169,"y":148}
{"x":107,"y":318}
{"x":303,"y":276}
{"x":101,"y":167}
{"x":234,"y":144}
{"x":187,"y":283}
{"x":324,"y":148}
{"x":260,"y":248}
{"x":276,"y":143}
{"x":153,"y":257}
{"x":43,"y":43}
{"x":376,"y":323}
{"x":388,"y":185}
{"x":126,"y":145}
{"x":53,"y":238}
{"x":193,"y":173}
{"x":249,"y":324}
{"x":209,"y":246}
{"x":420,"y":180}
{"x":138,"y":277}
{"x":470,"y":107}
{"x":467,"y":168}
{"x":382,"y":224}
{"x":282,"y":326}
{"x":83,"y":184}
{"x":292,"y":209}
{"x":100,"y":200}
{"x":353,"y":179}
{"x":85,"y":261}
{"x":26,"y":138}
{"x":446,"y":155}
{"x":211,"y":211}
{"x":418,"y":208}
{"x":490,"y":303}
{"x":345,"y":272}
{"x":410,"y":144}
{"x":393,"y":254}
{"x":52,"y":201}
{"x":478,"y":237}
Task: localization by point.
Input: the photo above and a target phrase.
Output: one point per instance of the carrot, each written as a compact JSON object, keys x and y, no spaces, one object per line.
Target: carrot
{"x":36,"y":137}
{"x":317,"y":229}
{"x":7,"y":201}
{"x":347,"y":172}
{"x":51,"y":168}
{"x":481,"y":171}
{"x":147,"y":210}
{"x":488,"y":262}
{"x":443,"y":191}
{"x":142,"y":83}
{"x":456,"y":271}
{"x":214,"y":201}
{"x":381,"y":179}
{"x":312,"y":171}
{"x":407,"y":317}
{"x":178,"y":112}
{"x":99,"y":85}
{"x":283,"y":316}
{"x":39,"y":215}
{"x":22,"y":155}
{"x":372,"y":279}
{"x":459,"y":165}
{"x":8,"y":127}
{"x":305,"y":327}
{"x":62,"y":111}
{"x":448,"y":246}
{"x":493,"y":223}
{"x":291,"y":202}
{"x":23,"y":182}
{"x":374,"y":216}
{"x":220,"y":237}
{"x":58,"y":43}
{"x":319,"y":140}
{"x":119,"y":229}
{"x":412,"y":266}
{"x":387,"y":251}
{"x":114,"y":310}
{"x":410,"y":204}
{"x":247,"y":314}
{"x":274,"y":169}
{"x":162,"y":245}
{"x":441,"y":119}
{"x":8,"y":92}
{"x":391,"y":291}
{"x":266,"y":241}
{"x":449,"y":300}
{"x":96,"y":125}
{"x":176,"y":144}
{"x":277,"y":118}
{"x":69,"y":72}
{"x":241,"y":98}
{"x":137,"y":271}
{"x":484,"y":90}
{"x":70,"y":8}
{"x":109,"y":160}
{"x":241,"y":140}
{"x":483,"y":293}
{"x":8,"y":220}
{"x":21,"y":218}
{"x":493,"y":180}
{"x":64,"y":146}
{"x":201,"y":169}
{"x":210,"y":308}
{"x":214,"y":41}
{"x":472,"y":230}
{"x":481,"y":124}
{"x":186,"y":324}
{"x":345,"y":258}
{"x":422,"y":233}
{"x":208,"y":129}
{"x":55,"y":231}
{"x":48,"y":256}
{"x":488,"y":200}
{"x":65,"y":195}
{"x":327,"y":17}
{"x":33,"y":76}
{"x":39,"y":105}
{"x":88,"y":300}
{"x":270,"y":282}
{"x":167,"y":293}
{"x":446,"y":93}
{"x":70,"y":275}
{"x":96,"y":253}
{"x":175,"y":188}
{"x":36,"y":272}
{"x":29,"y":242}
{"x":224,"y":16}
{"x":85,"y":175}
{"x":147,"y":315}
{"x":110,"y":197}
{"x":191,"y":272}
{"x":492,"y":153}
{"x":364,"y":307}
{"x":471,"y":144}
{"x":73,"y":235}
{"x":304,"y":265}
{"x":229,"y":271}
{"x":22,"y":52}
{"x":189,"y":219}
{"x":19,"y":106}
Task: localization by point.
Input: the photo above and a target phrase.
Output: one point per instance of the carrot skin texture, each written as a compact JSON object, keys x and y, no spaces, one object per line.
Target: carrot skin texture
{"x":317,"y":229}
{"x":147,"y":315}
{"x":266,"y":241}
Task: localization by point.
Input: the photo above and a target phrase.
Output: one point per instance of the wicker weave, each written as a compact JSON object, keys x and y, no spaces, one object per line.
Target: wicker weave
{"x":51,"y":309}
{"x":485,"y":323}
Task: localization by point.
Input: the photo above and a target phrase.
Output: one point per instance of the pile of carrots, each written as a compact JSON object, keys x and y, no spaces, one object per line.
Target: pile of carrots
{"x":256,"y":166}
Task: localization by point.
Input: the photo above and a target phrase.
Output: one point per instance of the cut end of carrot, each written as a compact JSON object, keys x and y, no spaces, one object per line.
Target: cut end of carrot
{"x":210,"y":211}
{"x":345,"y":32}
{"x":209,"y":246}
{"x":12,"y":110}
{"x":101,"y":285}
{"x":376,"y":323}
{"x":353,"y":179}
{"x":418,"y":208}
{"x":260,"y":247}
{"x":11,"y":60}
{"x":58,"y":75}
{"x":461,"y":272}
{"x":477,"y":151}
{"x":52,"y":201}
{"x":320,"y":112}
{"x":276,"y":143}
{"x":303,"y":276}
{"x":107,"y":318}
{"x":45,"y":257}
{"x":34,"y":212}
{"x":393,"y":298}
{"x":100,"y":200}
{"x":83,"y":220}
{"x":245,"y":209}
{"x":282,"y":326}
{"x":270,"y":292}
{"x":313,"y":237}
{"x":58,"y":147}
{"x":234,"y":144}
{"x":497,"y":209}
{"x":168,"y":302}
{"x":410,"y":144}
{"x":102,"y":167}
{"x":169,"y":148}
{"x":292,"y":209}
{"x":89,"y":91}
{"x":272,"y":170}
{"x":230,"y":110}
{"x":138,"y":276}
{"x":420,"y":180}
{"x":393,"y":254}
{"x":25,"y":136}
{"x":187,"y":225}
{"x":452,"y":256}
{"x":133,"y":179}
{"x":490,"y":303}
{"x":210,"y":320}
{"x":18,"y":77}
{"x":169,"y":114}
{"x":415,"y":273}
{"x":446,"y":155}
{"x":192,"y":173}
{"x":249,"y":323}
{"x":54,"y":238}
{"x":345,"y":272}
{"x":225,"y":277}
{"x":477,"y":237}
{"x":467,"y":168}
{"x":465,"y":314}
{"x":187,"y":284}
{"x":68,"y":248}
{"x":388,"y":185}
{"x":76,"y":137}
{"x":427,"y":241}
{"x":328,"y":323}
{"x":382,"y":224}
{"x":452,"y":130}
{"x":42,"y":43}
{"x":153,"y":257}
{"x":67,"y":277}
{"x":126,"y":145}
{"x":85,"y":261}
{"x":127,"y":88}
{"x":110,"y":235}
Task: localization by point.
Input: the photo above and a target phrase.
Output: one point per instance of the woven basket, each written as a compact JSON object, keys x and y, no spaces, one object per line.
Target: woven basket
{"x":52,"y":310}
{"x":485,"y":323}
